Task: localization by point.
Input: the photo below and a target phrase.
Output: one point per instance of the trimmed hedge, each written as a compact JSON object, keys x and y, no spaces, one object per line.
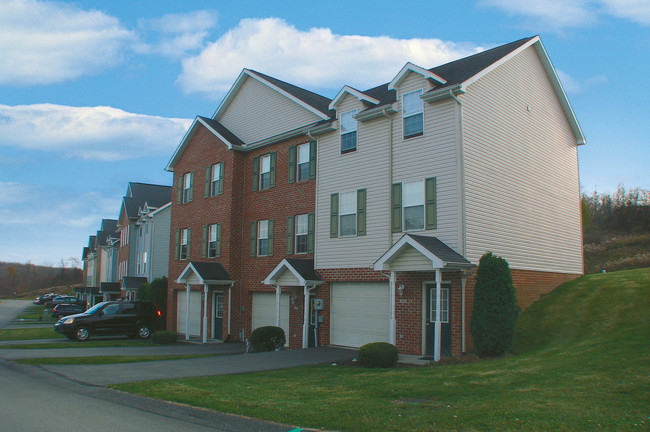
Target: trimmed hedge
{"x":378,"y":354}
{"x":164,"y":337}
{"x":268,"y":338}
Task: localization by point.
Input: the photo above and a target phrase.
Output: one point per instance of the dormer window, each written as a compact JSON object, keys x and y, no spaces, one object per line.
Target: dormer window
{"x":348,"y":132}
{"x":412,"y":113}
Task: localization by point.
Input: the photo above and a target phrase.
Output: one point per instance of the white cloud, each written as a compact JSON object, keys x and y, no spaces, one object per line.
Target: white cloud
{"x":574,"y":86}
{"x":179,"y":33}
{"x":44,"y":42}
{"x":100,"y":133}
{"x":563,"y":14}
{"x":313,"y":58}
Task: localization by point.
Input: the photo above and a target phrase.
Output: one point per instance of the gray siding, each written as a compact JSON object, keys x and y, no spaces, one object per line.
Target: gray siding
{"x":521,"y":170}
{"x":258,"y":112}
{"x":159,"y":265}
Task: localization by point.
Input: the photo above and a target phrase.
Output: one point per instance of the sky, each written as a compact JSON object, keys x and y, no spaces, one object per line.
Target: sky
{"x":97,"y":94}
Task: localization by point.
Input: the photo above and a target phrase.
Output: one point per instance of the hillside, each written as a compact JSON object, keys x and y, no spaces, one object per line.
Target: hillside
{"x":30,"y":279}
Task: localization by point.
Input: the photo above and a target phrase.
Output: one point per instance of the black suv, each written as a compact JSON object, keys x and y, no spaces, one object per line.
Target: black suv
{"x":134,"y":318}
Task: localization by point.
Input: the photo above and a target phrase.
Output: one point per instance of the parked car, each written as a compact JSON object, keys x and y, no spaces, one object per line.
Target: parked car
{"x":63,"y":299}
{"x":42,"y":299}
{"x":137,"y":318}
{"x":64,"y":309}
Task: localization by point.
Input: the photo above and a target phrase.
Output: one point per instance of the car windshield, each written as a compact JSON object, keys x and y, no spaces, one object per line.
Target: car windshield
{"x":95,"y":308}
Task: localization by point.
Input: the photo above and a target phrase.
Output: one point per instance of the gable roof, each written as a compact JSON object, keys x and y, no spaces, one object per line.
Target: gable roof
{"x":139,"y":194}
{"x":206,"y":272}
{"x":302,"y":269}
{"x":354,"y":92}
{"x":433,"y":249}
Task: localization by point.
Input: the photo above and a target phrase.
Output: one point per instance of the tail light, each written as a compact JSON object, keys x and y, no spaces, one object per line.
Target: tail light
{"x":158,"y":313}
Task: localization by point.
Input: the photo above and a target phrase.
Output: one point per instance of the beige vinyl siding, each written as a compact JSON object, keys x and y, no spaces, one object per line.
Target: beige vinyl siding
{"x":521,"y":170}
{"x":434,"y":154}
{"x":365,"y":168}
{"x":411,"y":260}
{"x":287,"y":278}
{"x":258,"y":112}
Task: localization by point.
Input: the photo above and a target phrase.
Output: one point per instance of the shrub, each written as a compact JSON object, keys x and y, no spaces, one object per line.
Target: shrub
{"x":268,"y":338}
{"x":378,"y":354}
{"x":164,"y":337}
{"x":495,"y":307}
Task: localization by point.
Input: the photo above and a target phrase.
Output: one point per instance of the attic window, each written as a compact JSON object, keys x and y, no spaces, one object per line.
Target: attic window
{"x":412,"y":113}
{"x":348,"y":132}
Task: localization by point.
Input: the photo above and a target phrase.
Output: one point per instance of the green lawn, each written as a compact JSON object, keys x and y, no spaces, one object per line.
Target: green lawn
{"x":29,"y":334}
{"x":581,"y":362}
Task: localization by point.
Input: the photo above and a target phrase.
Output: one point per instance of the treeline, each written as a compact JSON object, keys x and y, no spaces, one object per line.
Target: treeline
{"x":626,"y":211}
{"x":25,"y":278}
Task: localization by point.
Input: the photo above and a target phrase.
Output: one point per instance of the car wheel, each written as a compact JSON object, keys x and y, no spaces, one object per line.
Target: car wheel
{"x":144,"y":331}
{"x":81,"y":333}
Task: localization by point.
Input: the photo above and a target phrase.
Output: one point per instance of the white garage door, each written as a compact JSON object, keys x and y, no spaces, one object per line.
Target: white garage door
{"x":195,"y":312}
{"x":264,"y":311}
{"x":360,"y":313}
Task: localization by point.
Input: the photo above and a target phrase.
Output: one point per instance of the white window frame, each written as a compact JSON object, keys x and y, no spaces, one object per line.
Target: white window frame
{"x":212,"y":240}
{"x":215,"y":178}
{"x":302,"y":234}
{"x":444,"y":303}
{"x":183,"y":253}
{"x":347,"y":207}
{"x":348,"y":127}
{"x":187,"y":186}
{"x":265,"y":170}
{"x":414,"y":109}
{"x":263,"y":237}
{"x":412,"y":201}
{"x":302,"y":161}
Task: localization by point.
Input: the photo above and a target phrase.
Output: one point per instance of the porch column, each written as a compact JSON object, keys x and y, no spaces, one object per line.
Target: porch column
{"x":229,"y":305}
{"x":436,"y":348}
{"x":305,"y":320}
{"x":205,"y":313}
{"x":391,"y":314}
{"x":278,"y":291}
{"x":187,"y":312}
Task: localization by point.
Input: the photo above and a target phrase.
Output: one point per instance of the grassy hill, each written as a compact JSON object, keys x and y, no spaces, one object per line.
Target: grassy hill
{"x":616,"y":251}
{"x":580,"y":362}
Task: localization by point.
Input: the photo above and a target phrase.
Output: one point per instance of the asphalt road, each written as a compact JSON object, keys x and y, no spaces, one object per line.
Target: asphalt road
{"x":10,"y":309}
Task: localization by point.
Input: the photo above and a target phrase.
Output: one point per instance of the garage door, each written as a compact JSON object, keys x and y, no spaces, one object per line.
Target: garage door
{"x":264,"y":311}
{"x":360,"y":313}
{"x":195,"y":312}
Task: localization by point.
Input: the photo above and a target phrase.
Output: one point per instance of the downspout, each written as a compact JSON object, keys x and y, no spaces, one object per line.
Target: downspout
{"x":305,"y":319}
{"x":205,"y":313}
{"x":229,"y":306}
{"x":390,"y":170}
{"x":187,"y":312}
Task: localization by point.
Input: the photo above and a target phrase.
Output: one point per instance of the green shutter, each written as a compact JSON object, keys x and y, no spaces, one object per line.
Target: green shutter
{"x":178,"y":244}
{"x":292,"y":164}
{"x":396,"y":208}
{"x":334,"y":215}
{"x":256,"y":173}
{"x":218,"y":240}
{"x":272,"y":180}
{"x":430,"y":206}
{"x":312,"y":159}
{"x":270,"y":252}
{"x":361,"y":212}
{"x":208,"y":178}
{"x":221,"y":178}
{"x":253,"y":239}
{"x":290,"y":235}
{"x":204,"y":247}
{"x":189,"y":243}
{"x":310,"y":233}
{"x":191,"y":194}
{"x":179,"y":190}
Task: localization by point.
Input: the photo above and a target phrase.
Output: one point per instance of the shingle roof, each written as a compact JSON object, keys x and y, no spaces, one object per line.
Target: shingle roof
{"x":112,"y":287}
{"x":140,"y":193}
{"x":305,"y":267}
{"x":439,"y":249}
{"x":221,"y":129}
{"x":132,"y":282}
{"x":211,"y":271}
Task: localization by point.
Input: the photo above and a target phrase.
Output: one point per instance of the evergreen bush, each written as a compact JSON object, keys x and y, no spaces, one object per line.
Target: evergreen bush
{"x":378,"y":354}
{"x":268,"y":338}
{"x":164,"y":337}
{"x":495,"y":307}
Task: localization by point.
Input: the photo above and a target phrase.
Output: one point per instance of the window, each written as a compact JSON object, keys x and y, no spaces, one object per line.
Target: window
{"x":302,"y":162}
{"x":444,"y":305}
{"x":186,"y":190}
{"x":412,"y":114}
{"x":348,"y":214}
{"x":212,"y":240}
{"x":218,"y":313}
{"x":184,"y":251}
{"x":265,"y":172}
{"x":214,"y":180}
{"x":144,"y":262}
{"x":348,"y":132}
{"x":263,"y":238}
{"x":414,"y":205}
{"x":302,"y":233}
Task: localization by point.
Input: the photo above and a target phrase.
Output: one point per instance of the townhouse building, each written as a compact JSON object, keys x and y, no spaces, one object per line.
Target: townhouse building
{"x":362,"y":218}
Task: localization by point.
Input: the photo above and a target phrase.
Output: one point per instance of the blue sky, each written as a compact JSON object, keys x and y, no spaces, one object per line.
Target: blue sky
{"x":94,"y":94}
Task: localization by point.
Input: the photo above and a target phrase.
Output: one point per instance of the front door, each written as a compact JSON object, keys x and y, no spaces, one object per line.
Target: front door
{"x":217,"y":329}
{"x":445,"y":318}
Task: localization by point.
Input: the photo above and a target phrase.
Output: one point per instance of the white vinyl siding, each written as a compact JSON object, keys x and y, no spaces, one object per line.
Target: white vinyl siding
{"x":250,"y":118}
{"x":366,"y":168}
{"x":265,"y":309}
{"x":521,"y":170}
{"x":359,"y":313}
